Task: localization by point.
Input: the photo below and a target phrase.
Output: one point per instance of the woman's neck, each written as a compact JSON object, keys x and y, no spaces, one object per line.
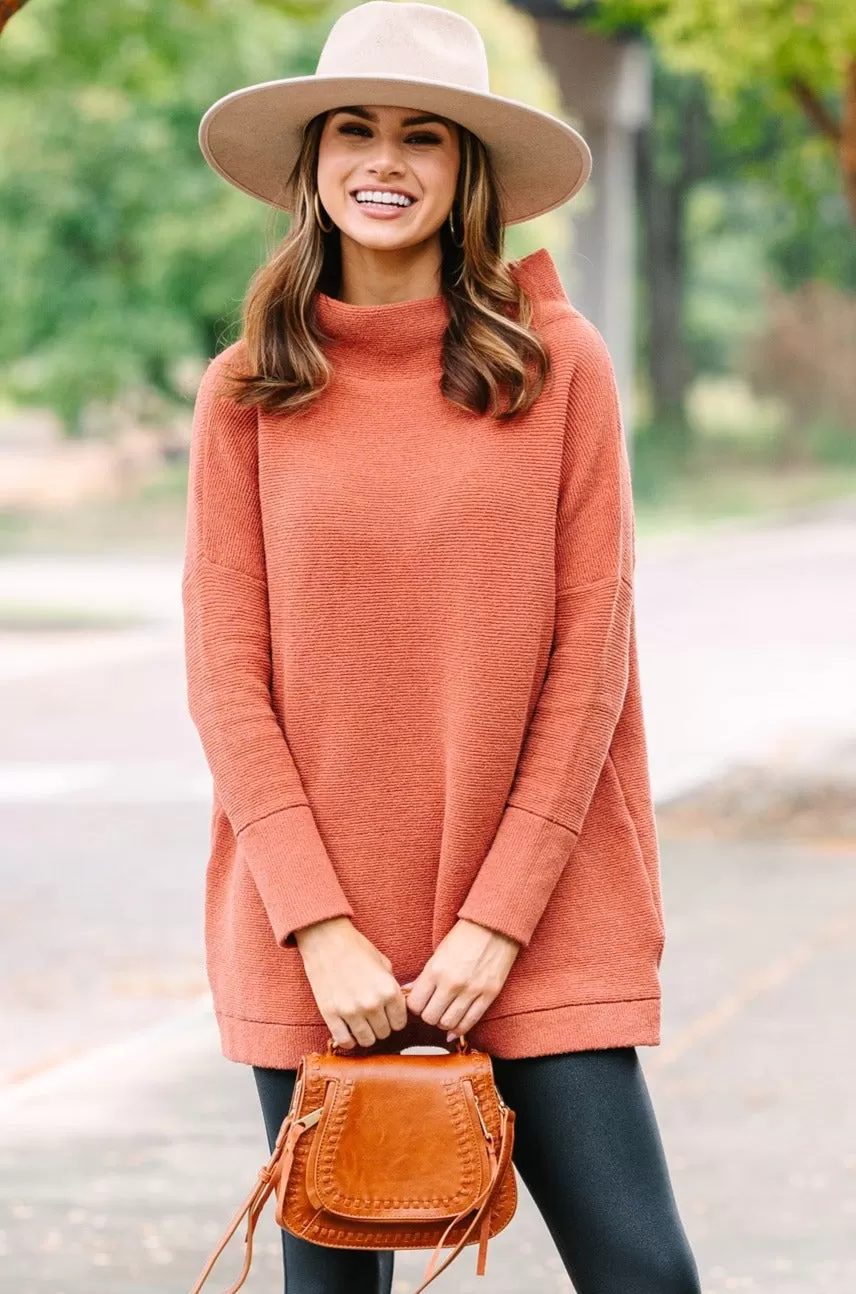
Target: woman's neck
{"x":370,"y":276}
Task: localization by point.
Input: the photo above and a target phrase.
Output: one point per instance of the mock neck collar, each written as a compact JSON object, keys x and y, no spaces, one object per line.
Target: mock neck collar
{"x":396,"y":338}
{"x":404,"y":338}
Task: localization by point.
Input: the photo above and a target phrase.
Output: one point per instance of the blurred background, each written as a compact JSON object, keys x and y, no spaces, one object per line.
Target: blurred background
{"x":715,"y":248}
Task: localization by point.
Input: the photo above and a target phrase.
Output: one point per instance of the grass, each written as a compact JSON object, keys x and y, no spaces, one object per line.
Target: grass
{"x":740,"y":467}
{"x":703,"y":499}
{"x":25,"y":618}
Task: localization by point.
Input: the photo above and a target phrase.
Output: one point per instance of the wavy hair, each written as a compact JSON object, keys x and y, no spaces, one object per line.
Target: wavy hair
{"x":492,"y":359}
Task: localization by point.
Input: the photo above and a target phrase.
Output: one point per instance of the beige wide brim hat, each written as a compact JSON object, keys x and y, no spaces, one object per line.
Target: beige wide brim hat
{"x":407,"y":55}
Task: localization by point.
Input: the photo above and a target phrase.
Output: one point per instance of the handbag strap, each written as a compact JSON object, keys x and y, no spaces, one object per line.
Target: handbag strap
{"x":280,"y":1162}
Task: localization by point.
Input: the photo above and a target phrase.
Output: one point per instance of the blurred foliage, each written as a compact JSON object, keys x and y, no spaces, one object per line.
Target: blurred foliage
{"x":797,"y":59}
{"x":766,"y":216}
{"x":126,"y":250}
{"x":771,"y":286}
{"x":733,"y":44}
{"x":793,"y":183}
{"x":805,"y":356}
{"x":769,"y":210}
{"x":125,"y":253}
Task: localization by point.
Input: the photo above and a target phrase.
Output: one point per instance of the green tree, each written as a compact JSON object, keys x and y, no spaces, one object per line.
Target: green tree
{"x":736,"y":184}
{"x":125,"y":254}
{"x":799,"y":55}
{"x":725,"y":206}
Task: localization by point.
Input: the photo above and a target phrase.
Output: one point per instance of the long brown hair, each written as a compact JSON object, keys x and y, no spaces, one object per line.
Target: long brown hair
{"x":489,"y":349}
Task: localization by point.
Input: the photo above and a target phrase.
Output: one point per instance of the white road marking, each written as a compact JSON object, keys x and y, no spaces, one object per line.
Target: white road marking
{"x":108,"y":1058}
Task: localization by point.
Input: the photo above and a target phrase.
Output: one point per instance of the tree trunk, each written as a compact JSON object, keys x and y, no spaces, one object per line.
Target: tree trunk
{"x":663,"y":191}
{"x":848,"y":137}
{"x":842,"y":134}
{"x":663,"y":272}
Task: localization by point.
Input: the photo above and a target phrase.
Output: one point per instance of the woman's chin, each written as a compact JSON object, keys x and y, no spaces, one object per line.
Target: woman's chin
{"x":370,"y":234}
{"x":386,"y":235}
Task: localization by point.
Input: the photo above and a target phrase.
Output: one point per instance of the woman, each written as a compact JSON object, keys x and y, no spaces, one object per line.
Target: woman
{"x":410,"y":637}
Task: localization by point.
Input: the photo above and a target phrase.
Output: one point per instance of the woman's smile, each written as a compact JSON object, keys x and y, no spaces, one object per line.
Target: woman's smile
{"x":382,"y":209}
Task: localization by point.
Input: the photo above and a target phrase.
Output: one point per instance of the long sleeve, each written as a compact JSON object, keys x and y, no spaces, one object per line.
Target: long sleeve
{"x":572,"y":725}
{"x":228,"y":667}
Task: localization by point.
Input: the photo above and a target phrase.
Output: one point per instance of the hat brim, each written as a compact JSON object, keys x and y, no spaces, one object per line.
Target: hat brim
{"x":252,"y":137}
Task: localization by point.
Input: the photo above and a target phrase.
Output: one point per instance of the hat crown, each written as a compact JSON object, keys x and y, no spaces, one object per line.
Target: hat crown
{"x":385,"y":38}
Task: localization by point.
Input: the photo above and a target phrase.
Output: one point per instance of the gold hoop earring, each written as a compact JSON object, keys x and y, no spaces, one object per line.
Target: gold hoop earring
{"x":318,"y":219}
{"x":452,"y":231}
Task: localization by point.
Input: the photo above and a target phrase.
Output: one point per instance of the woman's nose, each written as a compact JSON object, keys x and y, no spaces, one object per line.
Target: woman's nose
{"x":386,"y":154}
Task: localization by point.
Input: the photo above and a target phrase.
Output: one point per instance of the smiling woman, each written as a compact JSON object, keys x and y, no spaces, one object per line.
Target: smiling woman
{"x":410,"y":640}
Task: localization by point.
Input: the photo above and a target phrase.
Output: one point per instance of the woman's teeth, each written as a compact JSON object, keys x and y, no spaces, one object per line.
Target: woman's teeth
{"x":387,"y":199}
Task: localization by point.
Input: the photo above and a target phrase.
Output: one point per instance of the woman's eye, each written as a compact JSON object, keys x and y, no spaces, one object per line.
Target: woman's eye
{"x":422,"y":137}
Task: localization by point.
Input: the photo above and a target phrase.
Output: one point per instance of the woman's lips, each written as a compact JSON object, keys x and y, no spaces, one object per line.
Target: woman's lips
{"x":382,"y":210}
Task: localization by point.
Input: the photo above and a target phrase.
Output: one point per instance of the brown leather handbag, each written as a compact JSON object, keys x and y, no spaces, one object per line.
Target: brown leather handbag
{"x":394,"y":1151}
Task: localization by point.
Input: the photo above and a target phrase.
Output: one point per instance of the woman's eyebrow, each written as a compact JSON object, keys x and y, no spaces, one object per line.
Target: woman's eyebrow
{"x":421,"y":119}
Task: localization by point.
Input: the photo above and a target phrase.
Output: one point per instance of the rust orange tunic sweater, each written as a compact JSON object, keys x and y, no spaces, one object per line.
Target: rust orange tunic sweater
{"x":411,"y":660}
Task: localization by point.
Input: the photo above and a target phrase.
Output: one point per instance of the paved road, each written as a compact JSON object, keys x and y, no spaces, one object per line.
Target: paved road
{"x":104,"y":821}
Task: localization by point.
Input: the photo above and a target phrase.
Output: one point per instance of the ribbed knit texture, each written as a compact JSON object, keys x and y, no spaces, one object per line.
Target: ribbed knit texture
{"x":411,"y":660}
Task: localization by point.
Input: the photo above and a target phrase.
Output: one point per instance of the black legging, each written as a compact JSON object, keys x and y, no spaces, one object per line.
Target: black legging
{"x":588,"y":1148}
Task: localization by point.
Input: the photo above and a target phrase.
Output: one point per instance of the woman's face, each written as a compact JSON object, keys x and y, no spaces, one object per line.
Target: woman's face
{"x":405,"y":150}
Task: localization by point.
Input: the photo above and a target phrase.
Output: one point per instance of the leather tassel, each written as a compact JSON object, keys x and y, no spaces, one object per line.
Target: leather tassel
{"x":484,"y":1234}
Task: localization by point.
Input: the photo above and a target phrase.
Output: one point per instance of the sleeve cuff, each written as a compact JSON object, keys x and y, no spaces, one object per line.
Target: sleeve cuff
{"x":292,"y":871}
{"x":518,"y":874}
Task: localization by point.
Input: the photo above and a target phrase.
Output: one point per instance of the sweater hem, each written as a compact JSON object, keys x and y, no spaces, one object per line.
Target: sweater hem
{"x":576,"y":1026}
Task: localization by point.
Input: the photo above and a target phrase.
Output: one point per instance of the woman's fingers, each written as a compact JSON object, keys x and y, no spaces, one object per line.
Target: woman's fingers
{"x":472,"y":1016}
{"x":455,"y":1014}
{"x":374,"y":1020}
{"x":396,"y":1011}
{"x":361,"y":1029}
{"x":420,"y":992}
{"x":440,"y":1002}
{"x":339,"y":1032}
{"x":352,"y":982}
{"x":378,"y":1022}
{"x":466,"y":971}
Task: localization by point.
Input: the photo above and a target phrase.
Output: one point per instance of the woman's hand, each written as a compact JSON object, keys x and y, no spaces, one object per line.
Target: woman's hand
{"x":352,"y":981}
{"x":463,"y":976}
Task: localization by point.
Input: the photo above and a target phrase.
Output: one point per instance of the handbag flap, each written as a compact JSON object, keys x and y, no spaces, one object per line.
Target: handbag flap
{"x":398,"y":1139}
